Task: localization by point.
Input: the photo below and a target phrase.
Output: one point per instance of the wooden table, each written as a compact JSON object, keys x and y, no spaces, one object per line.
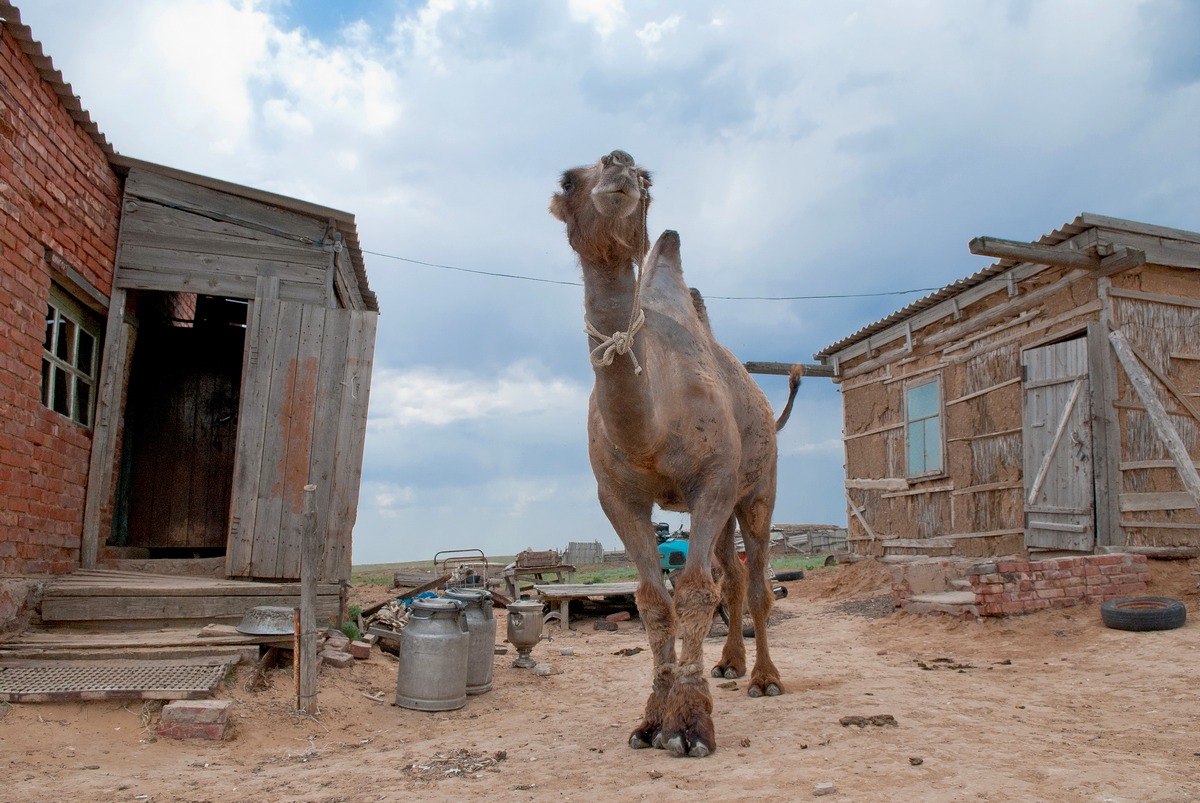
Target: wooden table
{"x":562,"y":572}
{"x":563,"y":594}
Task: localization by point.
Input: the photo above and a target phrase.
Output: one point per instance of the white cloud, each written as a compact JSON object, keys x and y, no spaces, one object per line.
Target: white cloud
{"x":603,"y":15}
{"x":436,"y":397}
{"x":652,"y":33}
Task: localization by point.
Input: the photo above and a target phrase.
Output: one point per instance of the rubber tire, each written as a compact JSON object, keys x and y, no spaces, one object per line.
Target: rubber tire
{"x":787,"y":577}
{"x":1143,"y":613}
{"x":747,"y":622}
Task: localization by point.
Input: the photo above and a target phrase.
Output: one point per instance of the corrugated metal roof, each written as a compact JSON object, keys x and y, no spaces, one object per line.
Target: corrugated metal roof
{"x":1081,"y":223}
{"x":10,"y":16}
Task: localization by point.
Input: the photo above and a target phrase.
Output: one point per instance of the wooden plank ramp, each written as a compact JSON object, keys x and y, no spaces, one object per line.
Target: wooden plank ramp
{"x":100,"y":597}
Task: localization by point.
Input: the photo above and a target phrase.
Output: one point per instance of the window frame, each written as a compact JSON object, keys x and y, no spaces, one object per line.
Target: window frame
{"x":939,"y":416}
{"x":61,"y":358}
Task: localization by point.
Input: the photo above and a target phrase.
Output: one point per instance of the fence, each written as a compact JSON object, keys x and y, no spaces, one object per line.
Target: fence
{"x":583,"y":553}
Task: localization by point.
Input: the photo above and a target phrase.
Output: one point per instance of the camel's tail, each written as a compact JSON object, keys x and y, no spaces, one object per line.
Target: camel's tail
{"x":793,"y":385}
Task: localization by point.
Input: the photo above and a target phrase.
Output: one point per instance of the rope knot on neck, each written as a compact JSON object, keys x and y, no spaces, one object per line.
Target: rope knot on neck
{"x":616,"y":344}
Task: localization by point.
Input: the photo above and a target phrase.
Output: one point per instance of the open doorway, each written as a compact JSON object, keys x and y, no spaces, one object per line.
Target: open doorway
{"x":181,"y":424}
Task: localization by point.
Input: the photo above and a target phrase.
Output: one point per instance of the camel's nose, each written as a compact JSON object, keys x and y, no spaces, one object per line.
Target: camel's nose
{"x":620,"y":158}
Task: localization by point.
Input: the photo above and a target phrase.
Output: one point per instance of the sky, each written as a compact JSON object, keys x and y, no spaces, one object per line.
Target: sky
{"x":843,"y":153}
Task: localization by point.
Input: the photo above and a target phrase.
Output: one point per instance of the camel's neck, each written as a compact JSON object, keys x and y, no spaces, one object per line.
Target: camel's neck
{"x":622,"y":394}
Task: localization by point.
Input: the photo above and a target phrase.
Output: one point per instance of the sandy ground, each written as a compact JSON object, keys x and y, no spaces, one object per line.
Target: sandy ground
{"x":1052,"y":706}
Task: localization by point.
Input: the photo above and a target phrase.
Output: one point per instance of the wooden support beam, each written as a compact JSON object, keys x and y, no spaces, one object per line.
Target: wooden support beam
{"x":785,"y":368}
{"x":1031,"y":252}
{"x":310,"y":567}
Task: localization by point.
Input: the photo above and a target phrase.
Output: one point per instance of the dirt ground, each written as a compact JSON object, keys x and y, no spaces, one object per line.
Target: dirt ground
{"x":1052,"y":707}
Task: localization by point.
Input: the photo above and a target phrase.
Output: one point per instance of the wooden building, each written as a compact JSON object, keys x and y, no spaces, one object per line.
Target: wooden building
{"x":181,"y":356}
{"x":1050,"y":402}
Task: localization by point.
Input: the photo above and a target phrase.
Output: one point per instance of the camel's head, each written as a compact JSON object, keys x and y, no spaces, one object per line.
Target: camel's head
{"x":604,"y":207}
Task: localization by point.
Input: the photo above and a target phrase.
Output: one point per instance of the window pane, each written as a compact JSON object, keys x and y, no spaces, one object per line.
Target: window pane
{"x":46,"y":382}
{"x":61,"y":402}
{"x":83,"y":402}
{"x":933,"y":444}
{"x":922,"y":401}
{"x":51,"y":314}
{"x":83,"y":356}
{"x":916,"y":447}
{"x":65,"y":347}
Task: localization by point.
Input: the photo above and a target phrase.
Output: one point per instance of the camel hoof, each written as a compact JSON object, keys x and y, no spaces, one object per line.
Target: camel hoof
{"x":726,"y":672}
{"x":771,"y":690}
{"x":646,"y":736}
{"x":679,"y":748}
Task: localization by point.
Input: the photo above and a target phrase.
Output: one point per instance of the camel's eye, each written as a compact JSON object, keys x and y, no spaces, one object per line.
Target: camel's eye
{"x":566,"y":184}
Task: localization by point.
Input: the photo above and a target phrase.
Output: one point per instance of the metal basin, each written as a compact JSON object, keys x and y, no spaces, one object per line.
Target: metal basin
{"x":267,"y":620}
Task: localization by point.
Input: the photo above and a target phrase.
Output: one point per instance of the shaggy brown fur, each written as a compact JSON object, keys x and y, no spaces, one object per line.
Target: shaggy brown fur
{"x":691,"y":431}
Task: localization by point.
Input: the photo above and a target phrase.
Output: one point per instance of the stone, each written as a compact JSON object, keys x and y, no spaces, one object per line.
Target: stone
{"x":195,"y":719}
{"x":604,"y":625}
{"x":360,"y":650}
{"x":545,"y":670}
{"x":335,"y":658}
{"x":619,"y":616}
{"x":823,"y":788}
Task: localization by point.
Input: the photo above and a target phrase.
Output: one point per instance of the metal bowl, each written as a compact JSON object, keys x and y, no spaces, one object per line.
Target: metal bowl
{"x":268,"y":620}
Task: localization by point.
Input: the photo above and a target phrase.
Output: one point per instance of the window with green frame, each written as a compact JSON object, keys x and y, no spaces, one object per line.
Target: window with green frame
{"x":70,"y":358}
{"x":923,"y":414}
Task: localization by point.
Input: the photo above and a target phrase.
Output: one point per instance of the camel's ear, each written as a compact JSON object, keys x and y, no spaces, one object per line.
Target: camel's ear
{"x":647,"y":183}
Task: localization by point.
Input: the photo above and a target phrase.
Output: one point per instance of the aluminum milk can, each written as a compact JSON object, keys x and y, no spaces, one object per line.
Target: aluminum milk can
{"x":482,"y":626}
{"x":434,"y":644}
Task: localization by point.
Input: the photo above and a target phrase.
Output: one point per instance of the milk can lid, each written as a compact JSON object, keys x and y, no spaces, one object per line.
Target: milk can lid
{"x":436,"y":604}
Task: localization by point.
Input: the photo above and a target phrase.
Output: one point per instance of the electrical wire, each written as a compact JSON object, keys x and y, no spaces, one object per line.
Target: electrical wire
{"x":706,"y":297}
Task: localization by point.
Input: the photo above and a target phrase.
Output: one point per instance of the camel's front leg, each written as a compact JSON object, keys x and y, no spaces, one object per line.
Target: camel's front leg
{"x":654,"y":609}
{"x":688,"y":729}
{"x":756,"y":534}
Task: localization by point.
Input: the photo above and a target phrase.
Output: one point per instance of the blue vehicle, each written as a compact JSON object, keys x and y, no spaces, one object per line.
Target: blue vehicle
{"x":672,"y":547}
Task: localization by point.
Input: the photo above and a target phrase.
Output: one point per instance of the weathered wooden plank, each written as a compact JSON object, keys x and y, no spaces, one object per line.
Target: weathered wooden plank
{"x":167,"y":190}
{"x":118,"y":351}
{"x":1156,"y":298}
{"x":335,"y":341}
{"x":1031,"y":252}
{"x":352,"y":425}
{"x":559,"y":591}
{"x":1166,"y":500}
{"x":178,"y":230}
{"x":271,"y":490}
{"x":258,"y":355}
{"x":248,"y":590}
{"x":216,"y":266}
{"x":785,"y":369}
{"x":83,"y":609}
{"x":297,"y":426}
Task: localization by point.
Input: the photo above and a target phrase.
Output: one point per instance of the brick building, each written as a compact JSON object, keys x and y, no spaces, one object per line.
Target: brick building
{"x":60,"y":202}
{"x":181,"y":358}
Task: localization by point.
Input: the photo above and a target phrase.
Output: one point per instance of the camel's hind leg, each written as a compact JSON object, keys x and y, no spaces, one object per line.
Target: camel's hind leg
{"x":756,"y":534}
{"x":733,"y":593}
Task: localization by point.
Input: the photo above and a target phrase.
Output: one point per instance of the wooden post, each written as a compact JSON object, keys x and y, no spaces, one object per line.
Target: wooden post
{"x":309,"y":569}
{"x":1157,"y":414}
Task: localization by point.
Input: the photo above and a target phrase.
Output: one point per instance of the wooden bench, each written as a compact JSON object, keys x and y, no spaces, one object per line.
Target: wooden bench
{"x":562,"y":572}
{"x":564,"y":594}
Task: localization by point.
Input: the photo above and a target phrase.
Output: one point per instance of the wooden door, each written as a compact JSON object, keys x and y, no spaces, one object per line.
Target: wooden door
{"x":1057,"y":435}
{"x":305,"y":386}
{"x":180,"y":435}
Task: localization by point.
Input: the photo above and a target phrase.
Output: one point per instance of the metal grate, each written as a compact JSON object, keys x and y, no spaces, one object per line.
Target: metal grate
{"x":45,"y":682}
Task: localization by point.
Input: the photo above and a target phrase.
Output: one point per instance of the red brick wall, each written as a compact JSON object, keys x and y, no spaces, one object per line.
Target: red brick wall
{"x":57,"y":192}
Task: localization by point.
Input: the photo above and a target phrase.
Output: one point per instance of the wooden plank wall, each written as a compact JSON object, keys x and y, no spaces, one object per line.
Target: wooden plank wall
{"x":182,"y":237}
{"x":303,"y":418}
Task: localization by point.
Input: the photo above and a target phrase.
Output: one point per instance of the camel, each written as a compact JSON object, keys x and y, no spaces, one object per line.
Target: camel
{"x":675,"y":420}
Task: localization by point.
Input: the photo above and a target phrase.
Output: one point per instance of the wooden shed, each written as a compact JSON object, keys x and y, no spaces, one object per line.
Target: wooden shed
{"x":1050,"y":402}
{"x":236,"y":370}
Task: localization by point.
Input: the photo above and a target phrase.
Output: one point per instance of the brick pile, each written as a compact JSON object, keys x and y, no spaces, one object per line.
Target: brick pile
{"x":60,"y":203}
{"x":1011,"y":586}
{"x":1008,"y":587}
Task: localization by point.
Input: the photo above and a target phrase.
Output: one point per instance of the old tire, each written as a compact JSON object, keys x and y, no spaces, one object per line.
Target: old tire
{"x":786,"y":577}
{"x":747,"y":622}
{"x":1143,"y":613}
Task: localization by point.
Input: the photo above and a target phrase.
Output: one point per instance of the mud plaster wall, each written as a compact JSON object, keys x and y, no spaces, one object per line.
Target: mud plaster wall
{"x":1168,"y":335}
